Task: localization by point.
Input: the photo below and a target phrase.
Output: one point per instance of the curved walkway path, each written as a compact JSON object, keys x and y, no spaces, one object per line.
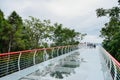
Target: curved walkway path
{"x":91,"y":67}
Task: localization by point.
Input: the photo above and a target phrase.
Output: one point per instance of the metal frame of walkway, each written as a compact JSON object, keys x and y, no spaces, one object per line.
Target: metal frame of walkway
{"x":99,"y":62}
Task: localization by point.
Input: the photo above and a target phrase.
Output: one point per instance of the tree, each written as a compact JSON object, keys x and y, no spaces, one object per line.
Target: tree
{"x":37,"y":31}
{"x":16,"y":33}
{"x":33,"y":33}
{"x":1,"y":30}
{"x":5,"y":28}
{"x":111,"y":30}
{"x":64,"y":36}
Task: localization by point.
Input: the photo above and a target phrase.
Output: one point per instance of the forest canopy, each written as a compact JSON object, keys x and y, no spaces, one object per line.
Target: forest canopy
{"x":17,"y":34}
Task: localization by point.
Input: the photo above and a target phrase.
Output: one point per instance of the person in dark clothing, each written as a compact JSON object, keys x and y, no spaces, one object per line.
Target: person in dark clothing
{"x":94,"y":46}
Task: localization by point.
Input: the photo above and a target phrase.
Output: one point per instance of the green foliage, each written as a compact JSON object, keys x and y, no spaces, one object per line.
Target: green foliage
{"x":65,"y":36}
{"x":5,"y":28}
{"x":33,"y":33}
{"x":16,"y":41}
{"x":37,"y":31}
{"x":111,"y":31}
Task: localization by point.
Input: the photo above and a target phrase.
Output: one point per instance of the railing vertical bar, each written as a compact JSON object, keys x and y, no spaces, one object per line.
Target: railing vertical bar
{"x":19,"y":61}
{"x":7,"y":72}
{"x":44,"y":54}
{"x":34,"y":61}
{"x":58,"y":51}
{"x":62,"y":50}
{"x":110,"y":65}
{"x":115,"y":71}
{"x":52,"y":52}
{"x":66,"y":49}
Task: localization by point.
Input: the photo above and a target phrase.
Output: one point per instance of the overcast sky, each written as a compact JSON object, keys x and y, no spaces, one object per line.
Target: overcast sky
{"x":76,"y":14}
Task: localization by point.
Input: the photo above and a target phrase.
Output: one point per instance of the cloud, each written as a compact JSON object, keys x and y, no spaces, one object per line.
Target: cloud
{"x":92,"y":39}
{"x":76,"y":14}
{"x":70,"y":8}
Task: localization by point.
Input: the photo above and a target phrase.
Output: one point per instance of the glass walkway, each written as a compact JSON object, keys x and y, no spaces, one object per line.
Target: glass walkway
{"x":83,"y":63}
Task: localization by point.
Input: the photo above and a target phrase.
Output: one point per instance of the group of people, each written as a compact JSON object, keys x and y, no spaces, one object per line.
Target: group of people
{"x":91,"y":45}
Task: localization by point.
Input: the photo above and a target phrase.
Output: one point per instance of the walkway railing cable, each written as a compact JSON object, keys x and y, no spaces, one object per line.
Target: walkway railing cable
{"x":112,"y":64}
{"x":15,"y":61}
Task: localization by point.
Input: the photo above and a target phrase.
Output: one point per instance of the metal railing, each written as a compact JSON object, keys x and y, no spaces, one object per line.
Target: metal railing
{"x":15,"y":61}
{"x":112,"y":64}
